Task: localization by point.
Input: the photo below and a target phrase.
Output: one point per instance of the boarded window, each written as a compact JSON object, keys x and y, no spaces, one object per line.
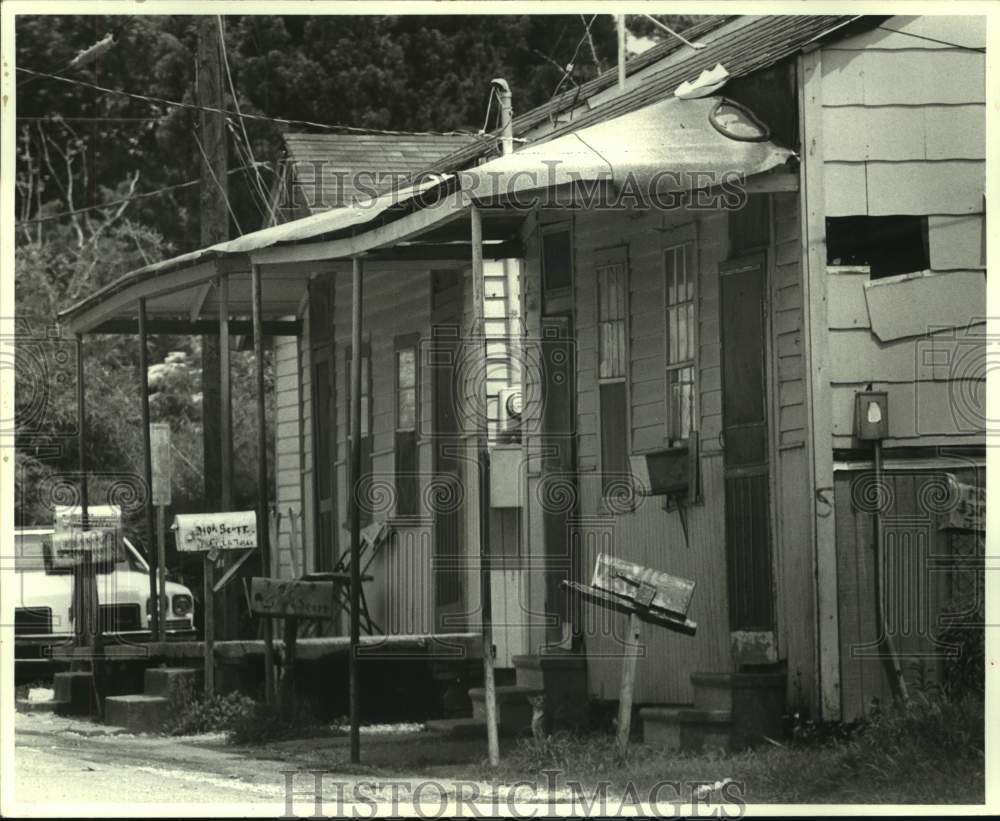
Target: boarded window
{"x":888,"y":245}
{"x":611,"y":301}
{"x":612,"y":370}
{"x":407,"y":410}
{"x":679,"y":281}
{"x":557,"y":259}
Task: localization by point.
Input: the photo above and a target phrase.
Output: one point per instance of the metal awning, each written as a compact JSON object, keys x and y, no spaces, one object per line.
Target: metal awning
{"x":671,"y":145}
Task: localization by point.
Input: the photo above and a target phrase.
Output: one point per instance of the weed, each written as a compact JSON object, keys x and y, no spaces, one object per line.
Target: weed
{"x":200,"y":713}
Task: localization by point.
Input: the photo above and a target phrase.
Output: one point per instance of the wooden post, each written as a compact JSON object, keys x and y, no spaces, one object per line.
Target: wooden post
{"x":209,"y":605}
{"x":225,"y":396}
{"x":628,"y":684}
{"x":288,"y":675}
{"x":357,"y":294}
{"x":214,"y":222}
{"x":161,"y":572}
{"x":622,"y":54}
{"x":262,"y":522}
{"x":229,"y":609}
{"x":80,"y":594}
{"x":147,"y":457}
{"x":482,"y":440}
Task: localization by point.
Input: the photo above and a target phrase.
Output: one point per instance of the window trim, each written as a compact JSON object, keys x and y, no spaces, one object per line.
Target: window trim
{"x":614,"y":255}
{"x":690,"y":247}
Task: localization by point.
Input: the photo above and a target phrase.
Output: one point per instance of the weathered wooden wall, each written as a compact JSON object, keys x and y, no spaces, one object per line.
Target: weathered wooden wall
{"x":904,"y":134}
{"x":288,"y":454}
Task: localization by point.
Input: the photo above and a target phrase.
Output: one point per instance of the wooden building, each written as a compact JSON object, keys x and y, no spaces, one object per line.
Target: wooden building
{"x":727,"y":338}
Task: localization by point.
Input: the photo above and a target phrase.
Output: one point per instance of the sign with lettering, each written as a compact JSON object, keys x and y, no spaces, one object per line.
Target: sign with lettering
{"x":968,"y":513}
{"x":643,"y":585}
{"x":101,"y":539}
{"x":216,"y":531}
{"x":161,"y":462}
{"x":289,"y":598}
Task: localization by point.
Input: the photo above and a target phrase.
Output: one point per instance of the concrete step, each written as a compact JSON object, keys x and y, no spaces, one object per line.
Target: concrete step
{"x":514,"y":711}
{"x":457,"y":727}
{"x":75,"y":693}
{"x":713,"y":691}
{"x":563,"y":677}
{"x":138,"y":714}
{"x":171,"y":682}
{"x":662,"y":726}
{"x":702,"y":730}
{"x":24,"y":705}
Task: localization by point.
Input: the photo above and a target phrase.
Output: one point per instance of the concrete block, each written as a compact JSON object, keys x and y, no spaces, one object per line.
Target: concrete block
{"x":75,"y":693}
{"x":171,"y":682}
{"x":138,"y":714}
{"x":661,"y":726}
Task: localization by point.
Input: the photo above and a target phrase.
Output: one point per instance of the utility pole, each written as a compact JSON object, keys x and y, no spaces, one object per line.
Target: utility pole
{"x":214,"y":215}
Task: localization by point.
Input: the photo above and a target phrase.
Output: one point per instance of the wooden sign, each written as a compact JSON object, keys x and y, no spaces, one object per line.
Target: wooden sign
{"x":216,"y":531}
{"x":101,"y":540}
{"x":290,"y":598}
{"x":969,"y":514}
{"x":161,"y":462}
{"x":643,"y":585}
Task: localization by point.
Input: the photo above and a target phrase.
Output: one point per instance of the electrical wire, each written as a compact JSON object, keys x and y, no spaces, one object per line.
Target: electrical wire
{"x":146,"y":194}
{"x":218,"y":183}
{"x":284,"y":121}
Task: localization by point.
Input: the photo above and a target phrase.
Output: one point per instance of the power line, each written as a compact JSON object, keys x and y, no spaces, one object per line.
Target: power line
{"x":193,"y":107}
{"x":113,"y":203}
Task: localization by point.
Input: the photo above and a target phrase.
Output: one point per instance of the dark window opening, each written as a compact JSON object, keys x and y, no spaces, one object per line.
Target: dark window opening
{"x":557,"y":259}
{"x":888,"y":245}
{"x":407,"y":417}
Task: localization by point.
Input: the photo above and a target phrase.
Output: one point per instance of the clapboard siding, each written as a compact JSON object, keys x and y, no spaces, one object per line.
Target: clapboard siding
{"x":308,"y":473}
{"x":902,"y":134}
{"x":288,"y":453}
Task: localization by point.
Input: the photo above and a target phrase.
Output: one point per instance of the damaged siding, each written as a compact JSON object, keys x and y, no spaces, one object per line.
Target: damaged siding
{"x":904,"y":134}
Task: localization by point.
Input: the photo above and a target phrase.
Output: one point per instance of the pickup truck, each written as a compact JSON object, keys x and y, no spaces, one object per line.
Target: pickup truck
{"x":44,"y":599}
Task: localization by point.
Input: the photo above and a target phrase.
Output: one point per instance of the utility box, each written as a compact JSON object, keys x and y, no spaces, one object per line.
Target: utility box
{"x":871,"y":415}
{"x":507,"y":476}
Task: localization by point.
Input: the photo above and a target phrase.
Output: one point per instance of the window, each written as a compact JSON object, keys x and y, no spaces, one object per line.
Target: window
{"x":681,"y":330}
{"x":407,"y":415}
{"x":888,"y":245}
{"x":363,"y":490}
{"x":557,"y":259}
{"x":612,"y":370}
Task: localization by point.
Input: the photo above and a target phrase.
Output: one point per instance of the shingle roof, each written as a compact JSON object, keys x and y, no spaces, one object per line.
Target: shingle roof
{"x":332,"y":170}
{"x":749,"y":44}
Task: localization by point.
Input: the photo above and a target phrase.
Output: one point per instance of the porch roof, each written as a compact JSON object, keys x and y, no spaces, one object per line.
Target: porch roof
{"x":429,"y":220}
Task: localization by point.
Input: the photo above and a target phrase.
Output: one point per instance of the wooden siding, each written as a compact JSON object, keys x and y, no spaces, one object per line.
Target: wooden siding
{"x":902,"y":136}
{"x":308,"y":472}
{"x":288,"y":454}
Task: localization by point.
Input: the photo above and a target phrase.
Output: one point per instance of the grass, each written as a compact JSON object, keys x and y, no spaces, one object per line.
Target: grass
{"x":929,"y":752}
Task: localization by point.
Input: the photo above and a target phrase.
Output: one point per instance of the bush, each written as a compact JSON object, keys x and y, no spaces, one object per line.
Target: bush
{"x":198,"y":713}
{"x":265,"y":722}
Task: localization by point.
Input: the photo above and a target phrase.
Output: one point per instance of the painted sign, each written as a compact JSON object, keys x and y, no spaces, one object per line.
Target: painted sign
{"x":161,"y":462}
{"x":969,"y":509}
{"x":216,"y":531}
{"x":279,"y":597}
{"x":101,"y":540}
{"x":643,"y":585}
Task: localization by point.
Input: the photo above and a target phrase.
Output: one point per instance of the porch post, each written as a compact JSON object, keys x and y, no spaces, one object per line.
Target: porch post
{"x":355,"y":508}
{"x":83,"y":570}
{"x":263,"y":535}
{"x":482,"y":448}
{"x":147,"y":466}
{"x":225,"y":399}
{"x":81,"y":418}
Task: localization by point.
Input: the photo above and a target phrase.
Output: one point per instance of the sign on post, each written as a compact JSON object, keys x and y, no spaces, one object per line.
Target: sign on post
{"x":968,"y":513}
{"x":216,"y":531}
{"x":291,"y":598}
{"x":161,"y":462}
{"x":100,"y":540}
